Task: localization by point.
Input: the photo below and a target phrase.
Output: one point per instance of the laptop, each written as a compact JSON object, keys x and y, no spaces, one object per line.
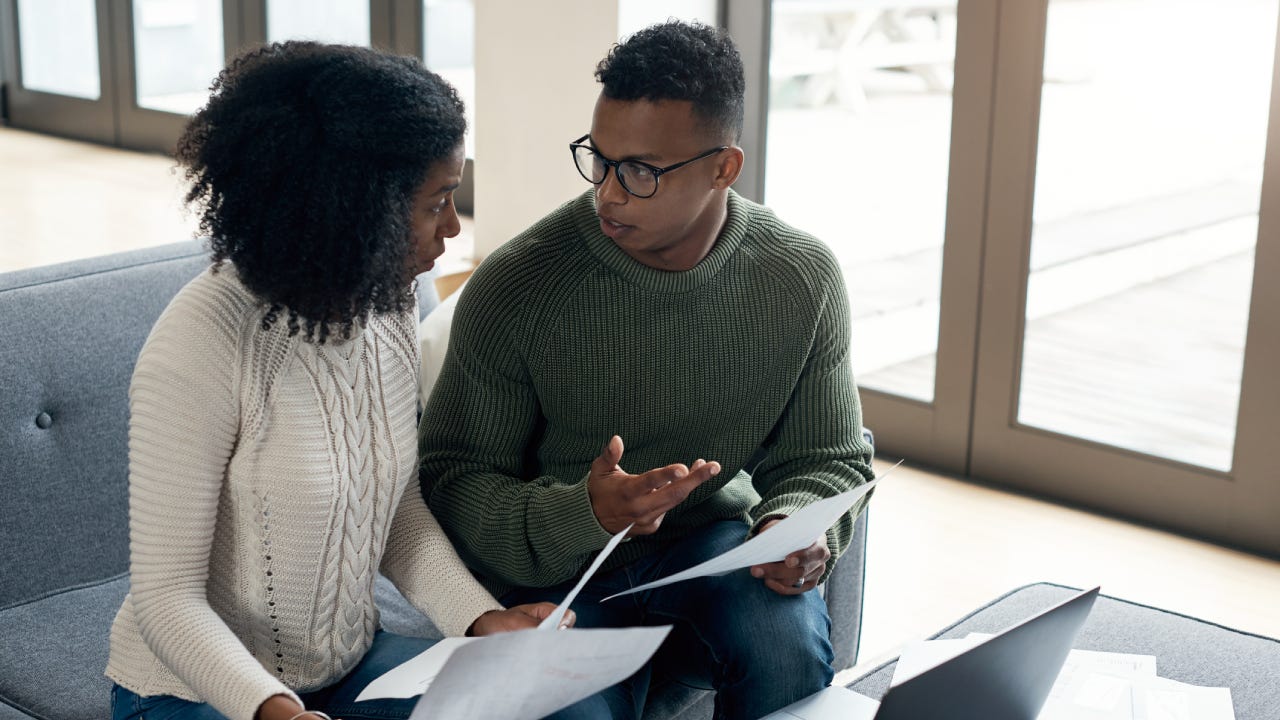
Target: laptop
{"x":1007,"y":677}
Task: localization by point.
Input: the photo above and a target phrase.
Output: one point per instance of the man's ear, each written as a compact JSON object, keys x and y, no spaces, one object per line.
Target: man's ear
{"x":728,"y":167}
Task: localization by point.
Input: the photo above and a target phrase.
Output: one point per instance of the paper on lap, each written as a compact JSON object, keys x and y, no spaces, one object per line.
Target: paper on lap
{"x":792,"y":533}
{"x":529,"y":674}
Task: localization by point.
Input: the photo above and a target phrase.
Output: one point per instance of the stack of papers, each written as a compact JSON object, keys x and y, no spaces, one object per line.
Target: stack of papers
{"x":1094,"y":685}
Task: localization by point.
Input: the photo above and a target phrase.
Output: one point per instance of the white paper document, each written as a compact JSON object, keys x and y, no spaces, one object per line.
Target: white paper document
{"x":553,"y":620}
{"x":1160,"y":698}
{"x":528,"y":674}
{"x":922,"y":655}
{"x":414,"y":676}
{"x":833,"y":703}
{"x":795,"y":532}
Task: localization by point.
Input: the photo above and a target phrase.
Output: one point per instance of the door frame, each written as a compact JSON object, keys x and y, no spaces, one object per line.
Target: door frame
{"x":1239,"y":507}
{"x":935,"y":433}
{"x":51,"y":113}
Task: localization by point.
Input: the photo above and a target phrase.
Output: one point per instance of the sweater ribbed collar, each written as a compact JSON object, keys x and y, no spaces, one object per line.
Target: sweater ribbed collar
{"x":637,"y":273}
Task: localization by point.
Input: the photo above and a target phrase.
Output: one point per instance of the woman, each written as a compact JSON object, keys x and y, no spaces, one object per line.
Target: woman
{"x":273,"y":407}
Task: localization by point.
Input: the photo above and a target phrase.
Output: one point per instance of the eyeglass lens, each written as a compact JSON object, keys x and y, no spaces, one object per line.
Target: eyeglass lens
{"x":635,"y":178}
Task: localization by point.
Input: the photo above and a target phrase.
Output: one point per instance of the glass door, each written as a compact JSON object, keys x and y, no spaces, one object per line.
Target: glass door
{"x":874,"y":128}
{"x":116,"y":72}
{"x":158,"y":94}
{"x":57,"y":53}
{"x":1127,"y":354}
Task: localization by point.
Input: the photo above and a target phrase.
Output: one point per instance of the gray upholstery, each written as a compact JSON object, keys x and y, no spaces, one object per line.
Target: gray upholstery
{"x":56,"y":648}
{"x":71,"y":335}
{"x":1186,"y":649}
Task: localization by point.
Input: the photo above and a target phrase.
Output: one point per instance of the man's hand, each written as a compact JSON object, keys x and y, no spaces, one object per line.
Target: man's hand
{"x":798,"y":572}
{"x":520,"y":617}
{"x":620,"y":499}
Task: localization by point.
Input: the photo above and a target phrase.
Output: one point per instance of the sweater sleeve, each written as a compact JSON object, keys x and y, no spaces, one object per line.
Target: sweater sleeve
{"x":182,"y":432}
{"x":424,"y":566}
{"x":816,"y":449}
{"x":474,"y":438}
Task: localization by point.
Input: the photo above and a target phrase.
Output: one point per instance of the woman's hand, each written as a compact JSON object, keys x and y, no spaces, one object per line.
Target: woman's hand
{"x":520,"y":617}
{"x":282,"y":707}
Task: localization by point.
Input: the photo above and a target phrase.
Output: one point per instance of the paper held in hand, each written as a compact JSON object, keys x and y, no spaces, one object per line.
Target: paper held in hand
{"x":795,"y":532}
{"x":530,"y":674}
{"x":542,"y":671}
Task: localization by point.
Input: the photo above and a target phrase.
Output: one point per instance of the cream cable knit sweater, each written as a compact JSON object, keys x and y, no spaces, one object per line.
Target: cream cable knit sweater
{"x":267,"y":481}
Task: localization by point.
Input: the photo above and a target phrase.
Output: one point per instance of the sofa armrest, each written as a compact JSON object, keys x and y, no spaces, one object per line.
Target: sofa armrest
{"x":843,"y":593}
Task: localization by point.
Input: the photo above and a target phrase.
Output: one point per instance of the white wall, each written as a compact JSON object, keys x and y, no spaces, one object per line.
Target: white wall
{"x":535,"y":90}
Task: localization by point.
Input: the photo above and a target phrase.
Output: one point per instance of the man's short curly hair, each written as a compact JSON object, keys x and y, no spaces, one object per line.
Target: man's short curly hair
{"x":303,"y":166}
{"x":678,"y":60}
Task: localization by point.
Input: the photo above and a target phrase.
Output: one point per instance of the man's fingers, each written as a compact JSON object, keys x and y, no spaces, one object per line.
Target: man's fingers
{"x":611,"y":454}
{"x":647,"y":527}
{"x":670,"y":493}
{"x":660,"y":478}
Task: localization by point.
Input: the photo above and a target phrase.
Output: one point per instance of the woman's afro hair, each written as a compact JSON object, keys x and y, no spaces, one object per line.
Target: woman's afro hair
{"x":303,"y":166}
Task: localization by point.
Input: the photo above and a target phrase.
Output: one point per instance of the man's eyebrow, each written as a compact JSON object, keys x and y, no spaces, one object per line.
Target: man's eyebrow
{"x":642,"y":157}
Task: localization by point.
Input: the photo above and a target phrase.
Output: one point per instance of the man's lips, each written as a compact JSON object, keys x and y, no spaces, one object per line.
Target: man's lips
{"x":610,"y":221}
{"x":612,"y":228}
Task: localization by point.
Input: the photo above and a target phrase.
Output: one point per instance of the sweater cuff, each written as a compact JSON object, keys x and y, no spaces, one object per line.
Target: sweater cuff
{"x":248,"y":703}
{"x":567,"y":522}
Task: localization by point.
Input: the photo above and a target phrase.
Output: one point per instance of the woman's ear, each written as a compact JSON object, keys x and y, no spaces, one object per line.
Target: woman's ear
{"x":729,"y":167}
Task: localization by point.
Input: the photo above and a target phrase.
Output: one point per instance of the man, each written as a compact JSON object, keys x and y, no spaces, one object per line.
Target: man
{"x":663,"y":310}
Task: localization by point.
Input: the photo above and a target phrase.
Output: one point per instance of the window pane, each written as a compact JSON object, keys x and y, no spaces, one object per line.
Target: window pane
{"x":58,"y":47}
{"x":858,"y":150}
{"x":1152,"y":131}
{"x":450,"y":50}
{"x":332,"y":21}
{"x":167,"y":29}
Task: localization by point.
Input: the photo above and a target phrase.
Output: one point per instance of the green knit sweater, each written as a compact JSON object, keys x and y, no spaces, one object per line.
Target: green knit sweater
{"x":561,"y":340}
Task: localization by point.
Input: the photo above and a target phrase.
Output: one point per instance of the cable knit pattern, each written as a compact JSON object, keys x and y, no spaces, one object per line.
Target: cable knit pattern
{"x":267,"y":487}
{"x":561,"y":339}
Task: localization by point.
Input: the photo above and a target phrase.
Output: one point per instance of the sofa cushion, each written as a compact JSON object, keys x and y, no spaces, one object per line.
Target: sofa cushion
{"x":398,"y":616}
{"x":55,"y":650}
{"x":71,"y":335}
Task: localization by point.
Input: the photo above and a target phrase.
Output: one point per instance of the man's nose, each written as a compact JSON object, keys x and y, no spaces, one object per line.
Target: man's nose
{"x":610,"y":189}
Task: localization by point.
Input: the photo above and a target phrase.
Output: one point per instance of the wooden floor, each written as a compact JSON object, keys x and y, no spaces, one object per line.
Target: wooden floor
{"x":938,"y":546}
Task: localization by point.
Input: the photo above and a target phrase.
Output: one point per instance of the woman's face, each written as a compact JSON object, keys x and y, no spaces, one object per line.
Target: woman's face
{"x":434,"y":217}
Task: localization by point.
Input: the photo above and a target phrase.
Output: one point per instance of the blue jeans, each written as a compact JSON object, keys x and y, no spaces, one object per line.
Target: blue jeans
{"x":338,"y":700}
{"x":758,"y":650}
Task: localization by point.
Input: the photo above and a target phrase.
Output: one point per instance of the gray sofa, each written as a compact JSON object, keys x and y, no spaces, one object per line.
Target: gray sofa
{"x":69,"y":335}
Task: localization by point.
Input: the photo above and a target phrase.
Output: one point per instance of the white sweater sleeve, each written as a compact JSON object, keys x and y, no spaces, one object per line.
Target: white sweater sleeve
{"x":183,"y":427}
{"x":426,"y":569}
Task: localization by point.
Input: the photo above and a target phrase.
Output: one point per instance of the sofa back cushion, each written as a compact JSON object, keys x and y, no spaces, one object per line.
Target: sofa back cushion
{"x":69,"y":336}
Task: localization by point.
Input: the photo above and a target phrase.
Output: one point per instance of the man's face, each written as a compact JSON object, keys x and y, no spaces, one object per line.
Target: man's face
{"x":687,"y":208}
{"x":434,"y":218}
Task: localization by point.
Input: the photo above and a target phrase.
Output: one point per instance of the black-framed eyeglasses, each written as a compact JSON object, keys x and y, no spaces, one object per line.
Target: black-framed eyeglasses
{"x":638,"y":178}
